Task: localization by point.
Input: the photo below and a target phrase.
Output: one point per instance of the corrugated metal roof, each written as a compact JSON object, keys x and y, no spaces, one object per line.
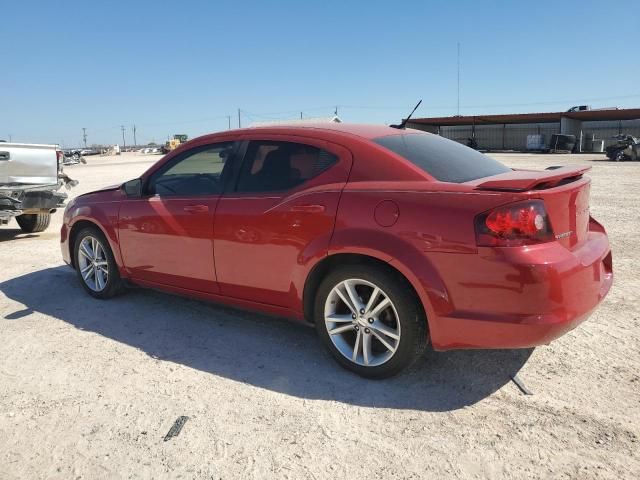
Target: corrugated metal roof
{"x":543,"y":117}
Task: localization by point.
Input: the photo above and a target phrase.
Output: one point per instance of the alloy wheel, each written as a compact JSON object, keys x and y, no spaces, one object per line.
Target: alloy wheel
{"x":362,"y":322}
{"x":93,"y":264}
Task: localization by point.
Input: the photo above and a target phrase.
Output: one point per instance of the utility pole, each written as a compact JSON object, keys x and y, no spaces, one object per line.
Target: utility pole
{"x":458,"y":78}
{"x":135,"y":142}
{"x":300,"y":115}
{"x":84,"y":136}
{"x":336,"y":111}
{"x":229,"y":120}
{"x":124,"y":142}
{"x":9,"y":138}
{"x":239,"y":123}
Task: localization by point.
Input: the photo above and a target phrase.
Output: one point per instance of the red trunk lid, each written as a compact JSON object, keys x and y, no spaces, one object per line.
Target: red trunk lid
{"x":565,"y":193}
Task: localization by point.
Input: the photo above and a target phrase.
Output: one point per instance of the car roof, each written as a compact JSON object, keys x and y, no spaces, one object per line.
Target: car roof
{"x":366,"y":131}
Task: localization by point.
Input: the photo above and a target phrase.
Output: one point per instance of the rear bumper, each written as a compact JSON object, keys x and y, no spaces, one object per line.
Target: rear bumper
{"x":43,"y":200}
{"x":523,"y":297}
{"x":17,"y":202}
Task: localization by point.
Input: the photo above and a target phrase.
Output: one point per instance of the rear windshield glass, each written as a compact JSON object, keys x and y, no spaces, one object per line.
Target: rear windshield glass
{"x":443,"y":159}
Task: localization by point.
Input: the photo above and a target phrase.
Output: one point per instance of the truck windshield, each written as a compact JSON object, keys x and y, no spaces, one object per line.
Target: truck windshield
{"x":443,"y":159}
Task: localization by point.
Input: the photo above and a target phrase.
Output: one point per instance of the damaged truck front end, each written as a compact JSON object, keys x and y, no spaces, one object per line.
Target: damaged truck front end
{"x":31,"y":179}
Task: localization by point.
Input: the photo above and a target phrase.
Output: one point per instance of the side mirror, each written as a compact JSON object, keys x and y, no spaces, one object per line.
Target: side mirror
{"x":133,"y":188}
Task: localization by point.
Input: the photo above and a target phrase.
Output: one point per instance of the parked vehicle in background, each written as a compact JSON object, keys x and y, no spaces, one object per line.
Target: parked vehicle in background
{"x":627,"y":147}
{"x":562,"y":143}
{"x":73,"y":157}
{"x":579,"y":108}
{"x":384,"y":238}
{"x":177,"y":140}
{"x":30,"y":178}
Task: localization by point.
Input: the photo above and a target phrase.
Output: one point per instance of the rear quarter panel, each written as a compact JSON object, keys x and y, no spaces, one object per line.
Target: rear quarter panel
{"x":430,"y":225}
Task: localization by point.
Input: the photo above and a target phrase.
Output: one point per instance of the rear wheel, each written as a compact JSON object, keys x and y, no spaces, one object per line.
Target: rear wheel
{"x":95,"y":264}
{"x":34,"y":222}
{"x":370,"y":320}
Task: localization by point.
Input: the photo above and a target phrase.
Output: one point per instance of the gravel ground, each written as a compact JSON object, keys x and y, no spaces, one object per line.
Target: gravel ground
{"x":89,"y":388}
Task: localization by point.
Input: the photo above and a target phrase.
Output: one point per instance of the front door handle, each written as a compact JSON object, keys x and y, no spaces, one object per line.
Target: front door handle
{"x":196,"y":208}
{"x":308,"y":208}
{"x":5,"y":155}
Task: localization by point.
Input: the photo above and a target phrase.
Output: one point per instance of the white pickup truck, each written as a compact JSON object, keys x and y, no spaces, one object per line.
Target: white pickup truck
{"x":30,"y":179}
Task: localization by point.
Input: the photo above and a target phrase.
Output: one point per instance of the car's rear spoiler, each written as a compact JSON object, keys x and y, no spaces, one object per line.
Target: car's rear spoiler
{"x":523,"y":180}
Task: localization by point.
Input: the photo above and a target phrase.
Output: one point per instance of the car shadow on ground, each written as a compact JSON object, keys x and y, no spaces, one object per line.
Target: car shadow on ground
{"x":14,"y":234}
{"x":266,"y":352}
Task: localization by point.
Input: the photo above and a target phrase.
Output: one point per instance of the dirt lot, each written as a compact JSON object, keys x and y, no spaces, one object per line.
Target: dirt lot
{"x":88,"y":389}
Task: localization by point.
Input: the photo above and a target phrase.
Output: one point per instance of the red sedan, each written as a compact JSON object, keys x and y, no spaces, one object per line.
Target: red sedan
{"x":385,"y":238}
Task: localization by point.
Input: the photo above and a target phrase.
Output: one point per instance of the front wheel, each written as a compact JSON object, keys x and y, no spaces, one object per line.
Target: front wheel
{"x":95,"y":265}
{"x":370,"y":320}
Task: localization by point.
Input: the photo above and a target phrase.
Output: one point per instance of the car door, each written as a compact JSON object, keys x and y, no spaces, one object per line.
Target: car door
{"x":166,"y":236}
{"x":278,"y":217}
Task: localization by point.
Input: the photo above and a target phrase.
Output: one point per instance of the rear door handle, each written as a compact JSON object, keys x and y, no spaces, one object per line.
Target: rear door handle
{"x":308,"y":208}
{"x":196,"y":208}
{"x":5,"y":155}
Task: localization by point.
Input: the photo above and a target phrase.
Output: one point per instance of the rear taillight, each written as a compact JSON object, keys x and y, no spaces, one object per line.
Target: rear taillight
{"x":60,"y":158}
{"x":517,"y":224}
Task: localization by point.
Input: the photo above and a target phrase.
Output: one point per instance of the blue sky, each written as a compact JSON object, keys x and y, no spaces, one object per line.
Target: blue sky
{"x":181,"y":67}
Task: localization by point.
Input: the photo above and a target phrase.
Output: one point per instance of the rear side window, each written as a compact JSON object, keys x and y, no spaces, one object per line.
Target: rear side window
{"x":271,"y":166}
{"x":443,"y":159}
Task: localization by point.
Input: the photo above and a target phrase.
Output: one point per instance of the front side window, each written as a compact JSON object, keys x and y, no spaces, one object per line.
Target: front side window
{"x":443,"y":159}
{"x":271,"y":166}
{"x":198,"y":172}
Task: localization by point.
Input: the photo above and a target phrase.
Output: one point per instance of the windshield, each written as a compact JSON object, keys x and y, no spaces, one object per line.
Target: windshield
{"x":443,"y":159}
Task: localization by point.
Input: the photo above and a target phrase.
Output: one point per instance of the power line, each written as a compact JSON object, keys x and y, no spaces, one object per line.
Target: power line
{"x":550,"y":102}
{"x":183,"y":122}
{"x":346,"y":107}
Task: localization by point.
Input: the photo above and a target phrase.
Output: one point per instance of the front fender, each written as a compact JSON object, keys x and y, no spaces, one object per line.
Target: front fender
{"x":105,"y":217}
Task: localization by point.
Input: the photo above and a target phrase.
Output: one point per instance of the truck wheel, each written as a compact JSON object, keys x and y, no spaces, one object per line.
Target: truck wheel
{"x":34,"y":222}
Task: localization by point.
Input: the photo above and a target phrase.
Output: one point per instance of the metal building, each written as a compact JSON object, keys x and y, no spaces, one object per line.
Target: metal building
{"x":510,"y":131}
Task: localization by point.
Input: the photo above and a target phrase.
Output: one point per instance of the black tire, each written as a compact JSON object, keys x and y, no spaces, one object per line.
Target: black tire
{"x":114,"y":284}
{"x":34,"y":222}
{"x":413,"y":323}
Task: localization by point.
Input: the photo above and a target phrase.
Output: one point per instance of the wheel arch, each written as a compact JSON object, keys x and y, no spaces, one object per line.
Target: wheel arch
{"x":327,"y":264}
{"x":77,"y":227}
